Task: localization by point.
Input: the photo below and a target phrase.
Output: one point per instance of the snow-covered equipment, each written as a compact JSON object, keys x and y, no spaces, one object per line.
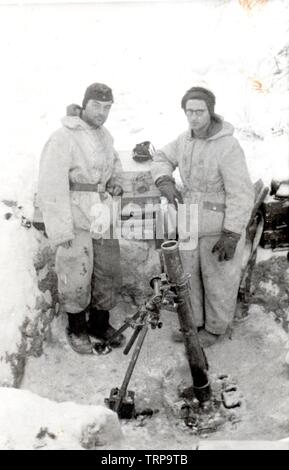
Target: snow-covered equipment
{"x":279,"y":189}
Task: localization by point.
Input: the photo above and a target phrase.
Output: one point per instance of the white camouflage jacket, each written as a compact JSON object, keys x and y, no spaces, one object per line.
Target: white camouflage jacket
{"x":80,"y":154}
{"x":214,"y":175}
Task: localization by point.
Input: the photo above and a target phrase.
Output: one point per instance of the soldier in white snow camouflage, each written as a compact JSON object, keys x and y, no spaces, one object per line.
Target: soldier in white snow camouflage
{"x":215,"y":177}
{"x":80,"y":171}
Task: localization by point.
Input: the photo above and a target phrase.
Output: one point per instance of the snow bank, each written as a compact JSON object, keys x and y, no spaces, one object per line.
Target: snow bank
{"x":28,"y":421}
{"x":26,"y":308}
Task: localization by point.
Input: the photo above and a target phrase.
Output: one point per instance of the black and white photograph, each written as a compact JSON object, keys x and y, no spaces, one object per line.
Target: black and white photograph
{"x":144,"y":227}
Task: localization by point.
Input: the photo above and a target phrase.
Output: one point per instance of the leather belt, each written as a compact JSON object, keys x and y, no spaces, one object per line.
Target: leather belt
{"x":96,"y":188}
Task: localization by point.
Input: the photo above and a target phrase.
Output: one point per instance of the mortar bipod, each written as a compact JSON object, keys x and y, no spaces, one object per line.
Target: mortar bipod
{"x":152,"y":306}
{"x":122,"y":400}
{"x":170,"y":287}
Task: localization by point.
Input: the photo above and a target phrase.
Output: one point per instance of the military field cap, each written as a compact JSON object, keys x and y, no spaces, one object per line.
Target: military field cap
{"x":99,"y":92}
{"x":200,"y":93}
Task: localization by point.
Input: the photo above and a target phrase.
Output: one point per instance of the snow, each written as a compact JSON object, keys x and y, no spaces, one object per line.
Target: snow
{"x":30,"y":422}
{"x":18,"y":282}
{"x":149,"y":53}
{"x":254,"y":360}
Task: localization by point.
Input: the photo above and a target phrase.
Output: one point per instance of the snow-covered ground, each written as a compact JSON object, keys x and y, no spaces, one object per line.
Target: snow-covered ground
{"x":150,"y":54}
{"x":42,"y":423}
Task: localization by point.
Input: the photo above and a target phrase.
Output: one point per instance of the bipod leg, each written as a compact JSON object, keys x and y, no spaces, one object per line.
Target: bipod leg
{"x":102,"y":347}
{"x":143,"y":314}
{"x":132,"y":340}
{"x":131,"y":366}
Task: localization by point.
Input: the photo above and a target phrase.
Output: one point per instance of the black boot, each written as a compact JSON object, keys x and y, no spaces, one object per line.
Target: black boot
{"x":100,"y":328}
{"x":76,"y":333}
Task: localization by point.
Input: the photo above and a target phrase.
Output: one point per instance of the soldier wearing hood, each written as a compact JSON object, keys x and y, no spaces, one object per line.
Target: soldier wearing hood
{"x":214,"y":174}
{"x":79,"y":172}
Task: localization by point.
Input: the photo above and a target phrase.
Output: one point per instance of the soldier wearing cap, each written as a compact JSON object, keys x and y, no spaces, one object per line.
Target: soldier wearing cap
{"x":77,"y":161}
{"x":215,"y":177}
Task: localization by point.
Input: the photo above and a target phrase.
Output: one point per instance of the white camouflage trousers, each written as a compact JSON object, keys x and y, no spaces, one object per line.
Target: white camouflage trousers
{"x":214,"y":284}
{"x":88,"y":273}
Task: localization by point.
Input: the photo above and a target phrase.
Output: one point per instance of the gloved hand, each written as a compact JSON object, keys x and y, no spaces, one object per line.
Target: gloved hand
{"x":114,"y":189}
{"x":166,"y":186}
{"x":226,"y":245}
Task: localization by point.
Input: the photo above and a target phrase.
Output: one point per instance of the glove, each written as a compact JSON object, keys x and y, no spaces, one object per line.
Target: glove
{"x":114,"y":189}
{"x":167,"y":188}
{"x":226,"y":245}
